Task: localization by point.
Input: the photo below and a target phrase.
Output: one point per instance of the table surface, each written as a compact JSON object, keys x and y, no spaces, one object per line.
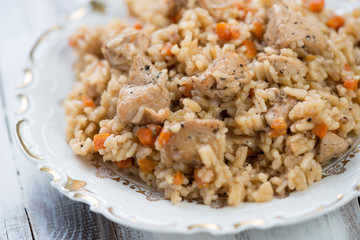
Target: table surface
{"x":31,"y":209}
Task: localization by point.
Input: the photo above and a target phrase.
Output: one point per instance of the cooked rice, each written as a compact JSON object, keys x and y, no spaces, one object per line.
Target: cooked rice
{"x":254,"y":170}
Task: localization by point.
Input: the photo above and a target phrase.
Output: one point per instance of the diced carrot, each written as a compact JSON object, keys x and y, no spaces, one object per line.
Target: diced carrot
{"x":146,"y":165}
{"x":335,"y":22}
{"x":178,"y":178}
{"x":234,"y":34}
{"x":310,"y":58}
{"x":257,"y":29}
{"x":157,"y":130}
{"x":198,"y":180}
{"x":138,"y":26}
{"x":278,"y":128}
{"x":316,"y":5}
{"x":251,"y":93}
{"x":245,"y":9}
{"x":225,"y":32}
{"x":99,"y":140}
{"x":320,"y":130}
{"x":87,"y":102}
{"x":240,"y":6}
{"x":188,"y":88}
{"x":351,"y":84}
{"x":164,"y":136}
{"x":167,"y":50}
{"x":145,"y":136}
{"x":250,"y":49}
{"x":277,"y":133}
{"x":347,"y":67}
{"x":278,"y":124}
{"x":127,"y":163}
{"x":73,"y":40}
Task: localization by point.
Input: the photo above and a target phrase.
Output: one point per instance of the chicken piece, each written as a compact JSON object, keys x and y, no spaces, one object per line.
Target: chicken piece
{"x":145,"y":99}
{"x":143,"y":72}
{"x":121,"y":50}
{"x":300,"y":144}
{"x":280,"y":110}
{"x":143,"y":104}
{"x":184,"y":144}
{"x":331,"y":146}
{"x":287,"y":29}
{"x":223,"y":77}
{"x":287,"y":66}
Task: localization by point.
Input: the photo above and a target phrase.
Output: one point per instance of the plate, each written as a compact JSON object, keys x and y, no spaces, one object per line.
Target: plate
{"x":40,"y":132}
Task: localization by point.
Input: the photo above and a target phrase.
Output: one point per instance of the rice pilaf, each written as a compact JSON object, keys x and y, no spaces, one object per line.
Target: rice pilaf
{"x":205,"y":99}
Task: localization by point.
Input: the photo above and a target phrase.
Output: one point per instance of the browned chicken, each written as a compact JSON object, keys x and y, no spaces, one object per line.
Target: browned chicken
{"x":286,"y":66}
{"x":143,"y":72}
{"x":145,"y":99}
{"x":331,"y":146}
{"x":280,"y":109}
{"x":287,"y":29}
{"x":224,"y":76}
{"x":183,"y":145}
{"x":120,"y":50}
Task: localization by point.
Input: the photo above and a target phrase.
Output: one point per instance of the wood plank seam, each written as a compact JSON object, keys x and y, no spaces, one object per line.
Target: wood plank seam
{"x":29,"y":222}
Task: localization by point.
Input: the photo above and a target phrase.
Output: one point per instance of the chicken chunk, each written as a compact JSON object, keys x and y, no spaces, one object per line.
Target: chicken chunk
{"x":143,"y":104}
{"x":280,"y":110}
{"x":287,"y":29}
{"x":145,"y":99}
{"x":143,"y":72}
{"x":331,"y":146}
{"x":120,"y":50}
{"x":223,"y":77}
{"x":300,"y":144}
{"x":287,"y":66}
{"x":184,"y":144}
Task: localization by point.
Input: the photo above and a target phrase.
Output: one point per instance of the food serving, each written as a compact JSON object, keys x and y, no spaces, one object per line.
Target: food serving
{"x":207,"y":99}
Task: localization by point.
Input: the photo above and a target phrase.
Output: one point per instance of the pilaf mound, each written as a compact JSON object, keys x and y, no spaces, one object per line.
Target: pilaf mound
{"x":207,"y":99}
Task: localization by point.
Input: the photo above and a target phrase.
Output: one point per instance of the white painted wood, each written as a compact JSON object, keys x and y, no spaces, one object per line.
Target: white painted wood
{"x":13,"y":219}
{"x":49,"y":215}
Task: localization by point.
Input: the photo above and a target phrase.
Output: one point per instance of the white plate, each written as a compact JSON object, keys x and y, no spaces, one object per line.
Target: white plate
{"x":124,"y":200}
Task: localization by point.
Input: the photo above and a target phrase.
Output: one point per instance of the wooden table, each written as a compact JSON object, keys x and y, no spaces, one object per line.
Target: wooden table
{"x":31,"y":209}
